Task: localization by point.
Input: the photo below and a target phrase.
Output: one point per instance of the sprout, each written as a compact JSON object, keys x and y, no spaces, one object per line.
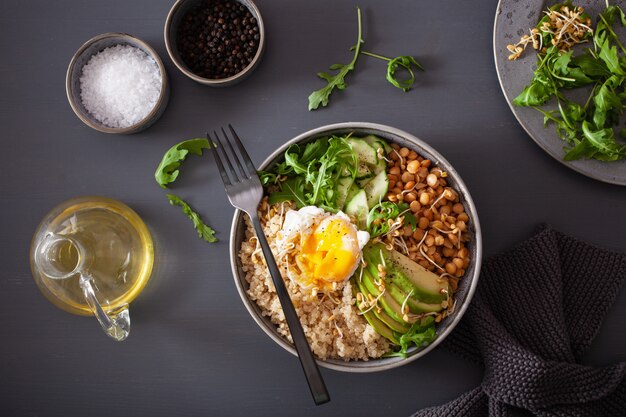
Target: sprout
{"x":405,"y":300}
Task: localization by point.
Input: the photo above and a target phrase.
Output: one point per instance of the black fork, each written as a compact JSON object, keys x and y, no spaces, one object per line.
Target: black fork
{"x":245,"y":192}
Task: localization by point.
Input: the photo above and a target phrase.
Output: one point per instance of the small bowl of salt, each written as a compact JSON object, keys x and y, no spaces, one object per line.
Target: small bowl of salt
{"x":117,"y":83}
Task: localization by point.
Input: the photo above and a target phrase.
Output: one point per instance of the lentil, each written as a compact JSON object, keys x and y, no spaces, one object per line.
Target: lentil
{"x":438,"y":242}
{"x":413,"y":166}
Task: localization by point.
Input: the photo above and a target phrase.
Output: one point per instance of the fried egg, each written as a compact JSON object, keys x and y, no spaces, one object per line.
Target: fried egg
{"x":323,"y":249}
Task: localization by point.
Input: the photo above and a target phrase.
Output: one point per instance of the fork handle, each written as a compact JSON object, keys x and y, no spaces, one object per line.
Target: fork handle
{"x":311,"y":371}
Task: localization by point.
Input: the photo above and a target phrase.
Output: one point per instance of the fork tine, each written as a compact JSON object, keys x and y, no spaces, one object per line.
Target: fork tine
{"x":243,"y":172}
{"x":244,"y":154}
{"x":218,"y":161}
{"x":231,"y":170}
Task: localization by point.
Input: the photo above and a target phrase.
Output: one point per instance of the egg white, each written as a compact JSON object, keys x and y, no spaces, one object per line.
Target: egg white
{"x":299,"y":225}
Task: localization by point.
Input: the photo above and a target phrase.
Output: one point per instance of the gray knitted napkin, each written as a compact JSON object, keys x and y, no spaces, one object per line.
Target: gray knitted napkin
{"x":535,"y":313}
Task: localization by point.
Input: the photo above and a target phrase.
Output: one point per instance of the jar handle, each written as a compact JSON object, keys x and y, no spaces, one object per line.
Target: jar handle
{"x":115,"y":323}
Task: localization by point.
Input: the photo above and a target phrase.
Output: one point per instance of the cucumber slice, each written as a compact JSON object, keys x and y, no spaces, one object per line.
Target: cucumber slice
{"x":357,"y":208}
{"x":376,"y":188}
{"x":364,"y":152}
{"x":362,"y":182}
{"x":364,"y":170}
{"x":380,"y":167}
{"x":343,"y":188}
{"x":376,"y":142}
{"x":354,"y":188}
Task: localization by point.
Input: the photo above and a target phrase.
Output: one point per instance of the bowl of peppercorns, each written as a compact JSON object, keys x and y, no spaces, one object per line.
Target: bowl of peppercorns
{"x":215,"y":42}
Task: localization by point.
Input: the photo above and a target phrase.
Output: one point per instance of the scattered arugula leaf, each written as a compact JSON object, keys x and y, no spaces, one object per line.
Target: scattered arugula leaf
{"x":321,"y":96}
{"x":167,"y":171}
{"x":406,"y":62}
{"x":204,"y":232}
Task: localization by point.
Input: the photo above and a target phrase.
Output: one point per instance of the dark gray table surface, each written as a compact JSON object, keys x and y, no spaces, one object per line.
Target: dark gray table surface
{"x":193,"y":349}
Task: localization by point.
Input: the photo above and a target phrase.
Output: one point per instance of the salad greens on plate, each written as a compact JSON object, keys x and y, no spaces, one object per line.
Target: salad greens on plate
{"x":587,"y":127}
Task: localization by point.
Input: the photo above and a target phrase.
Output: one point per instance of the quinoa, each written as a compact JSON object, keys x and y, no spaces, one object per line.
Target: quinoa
{"x":330,"y":321}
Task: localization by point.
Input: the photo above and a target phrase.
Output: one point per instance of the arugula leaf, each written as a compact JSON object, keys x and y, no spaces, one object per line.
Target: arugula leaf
{"x":421,"y":333}
{"x":603,"y":141}
{"x":409,"y":217}
{"x":204,"y":232}
{"x":580,"y":150}
{"x":604,"y":29}
{"x":534,"y":94}
{"x":406,"y":62}
{"x":561,"y":63}
{"x":321,"y":96}
{"x":313,"y":172}
{"x":590,"y":66}
{"x":290,"y":190}
{"x":606,"y":101}
{"x":599,"y":144}
{"x":609,"y":55}
{"x":379,"y":214}
{"x":267,"y":178}
{"x":167,"y":171}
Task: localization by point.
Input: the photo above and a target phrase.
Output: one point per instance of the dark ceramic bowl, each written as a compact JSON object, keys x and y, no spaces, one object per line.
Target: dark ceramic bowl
{"x":467,"y":285}
{"x":82,"y":56}
{"x":176,"y":14}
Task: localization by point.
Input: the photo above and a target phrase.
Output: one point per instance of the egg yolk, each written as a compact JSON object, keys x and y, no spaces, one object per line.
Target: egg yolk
{"x":329,"y":254}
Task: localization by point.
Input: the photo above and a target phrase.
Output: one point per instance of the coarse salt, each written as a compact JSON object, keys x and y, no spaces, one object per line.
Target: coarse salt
{"x":120,"y":86}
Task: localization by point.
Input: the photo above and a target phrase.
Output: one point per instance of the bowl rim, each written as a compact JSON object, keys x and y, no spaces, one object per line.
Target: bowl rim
{"x":215,"y":82}
{"x":371,"y":365}
{"x":100,"y":127}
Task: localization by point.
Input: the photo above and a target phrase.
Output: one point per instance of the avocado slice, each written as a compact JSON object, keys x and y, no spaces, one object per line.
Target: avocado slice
{"x":389,"y":305}
{"x":408,"y":275}
{"x":382,"y":315}
{"x":381,"y":328}
{"x":415,"y":307}
{"x":428,"y":286}
{"x":375,"y":321}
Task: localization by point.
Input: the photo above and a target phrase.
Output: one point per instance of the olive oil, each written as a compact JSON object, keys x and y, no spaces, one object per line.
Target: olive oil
{"x":100,"y":238}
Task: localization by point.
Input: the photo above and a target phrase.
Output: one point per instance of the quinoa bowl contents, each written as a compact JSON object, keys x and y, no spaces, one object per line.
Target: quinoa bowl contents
{"x":377,"y":240}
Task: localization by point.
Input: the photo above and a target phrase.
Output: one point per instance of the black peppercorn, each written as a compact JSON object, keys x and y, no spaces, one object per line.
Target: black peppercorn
{"x":218,"y":38}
